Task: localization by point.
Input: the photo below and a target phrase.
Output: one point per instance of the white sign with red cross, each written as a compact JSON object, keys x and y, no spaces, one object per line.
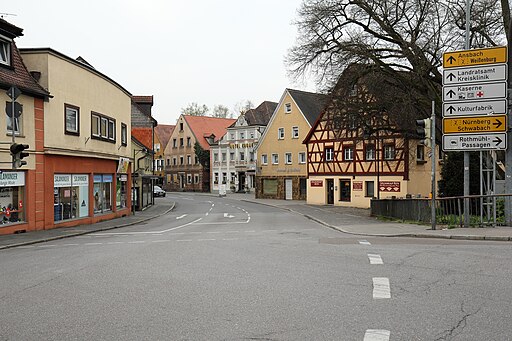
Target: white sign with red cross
{"x":474,"y":92}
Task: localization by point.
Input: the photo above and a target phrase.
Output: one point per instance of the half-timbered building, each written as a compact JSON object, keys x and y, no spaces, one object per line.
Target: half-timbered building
{"x":354,"y":156}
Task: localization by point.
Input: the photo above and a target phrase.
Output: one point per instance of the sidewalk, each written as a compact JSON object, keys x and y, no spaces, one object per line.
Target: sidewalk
{"x":12,"y":240}
{"x":348,"y":220}
{"x":358,"y":222}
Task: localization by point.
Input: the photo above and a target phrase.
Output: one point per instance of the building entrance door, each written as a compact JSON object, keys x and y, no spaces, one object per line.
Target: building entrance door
{"x":330,"y":191}
{"x":241,"y":182}
{"x":345,"y":193}
{"x":288,"y":187}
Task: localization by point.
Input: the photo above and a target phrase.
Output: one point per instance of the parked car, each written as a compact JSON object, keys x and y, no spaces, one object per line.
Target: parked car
{"x":158,"y":192}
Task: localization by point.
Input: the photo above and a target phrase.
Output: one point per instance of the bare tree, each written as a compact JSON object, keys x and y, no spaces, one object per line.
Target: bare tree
{"x":243,"y":106}
{"x":221,"y":111}
{"x":402,"y":40}
{"x":195,"y":109}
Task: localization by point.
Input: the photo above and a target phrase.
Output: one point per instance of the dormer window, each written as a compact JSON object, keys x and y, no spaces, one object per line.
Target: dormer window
{"x":5,"y":51}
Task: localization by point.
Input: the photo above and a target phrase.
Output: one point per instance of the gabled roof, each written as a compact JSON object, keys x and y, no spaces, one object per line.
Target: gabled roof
{"x":311,"y":104}
{"x":164,"y":132}
{"x":18,"y":75}
{"x":144,"y":136}
{"x":260,"y":115}
{"x":204,"y":126}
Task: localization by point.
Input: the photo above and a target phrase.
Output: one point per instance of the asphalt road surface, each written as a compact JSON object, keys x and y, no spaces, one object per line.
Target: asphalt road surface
{"x":220,"y":269}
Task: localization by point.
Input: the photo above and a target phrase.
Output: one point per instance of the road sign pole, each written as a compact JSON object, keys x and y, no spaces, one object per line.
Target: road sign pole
{"x":466,"y":154}
{"x":433,"y":161}
{"x":508,"y":155}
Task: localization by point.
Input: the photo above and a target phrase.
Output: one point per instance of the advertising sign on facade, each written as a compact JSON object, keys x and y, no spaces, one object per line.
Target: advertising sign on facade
{"x":317,"y":183}
{"x":389,"y":186}
{"x":8,"y":179}
{"x":357,"y":186}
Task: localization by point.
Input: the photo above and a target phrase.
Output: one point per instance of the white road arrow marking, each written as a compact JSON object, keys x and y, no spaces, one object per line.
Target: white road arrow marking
{"x":227,"y":215}
{"x":377,"y":335}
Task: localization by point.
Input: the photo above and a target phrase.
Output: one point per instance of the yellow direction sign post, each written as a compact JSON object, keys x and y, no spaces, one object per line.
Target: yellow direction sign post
{"x":493,"y":55}
{"x":478,"y":124}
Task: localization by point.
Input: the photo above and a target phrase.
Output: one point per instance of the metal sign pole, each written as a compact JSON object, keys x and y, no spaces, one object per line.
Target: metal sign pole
{"x":433,"y":160}
{"x":466,"y":154}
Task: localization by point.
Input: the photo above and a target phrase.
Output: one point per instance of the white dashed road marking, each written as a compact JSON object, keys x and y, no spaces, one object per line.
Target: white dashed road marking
{"x":376,"y":335}
{"x":381,"y":288}
{"x":375,"y":259}
{"x":364,"y":242}
{"x":181,"y":216}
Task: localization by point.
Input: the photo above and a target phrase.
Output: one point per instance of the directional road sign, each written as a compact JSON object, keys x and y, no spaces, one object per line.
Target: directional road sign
{"x":478,"y":124}
{"x":472,"y":142}
{"x":490,"y":107}
{"x":493,"y":55}
{"x":476,"y":74}
{"x":473,"y":92}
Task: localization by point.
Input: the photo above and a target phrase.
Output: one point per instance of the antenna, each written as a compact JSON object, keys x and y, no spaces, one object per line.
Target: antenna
{"x":3,"y":14}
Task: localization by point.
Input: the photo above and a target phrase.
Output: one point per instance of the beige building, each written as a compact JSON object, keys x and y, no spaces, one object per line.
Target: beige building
{"x":282,"y":163}
{"x":85,"y":136}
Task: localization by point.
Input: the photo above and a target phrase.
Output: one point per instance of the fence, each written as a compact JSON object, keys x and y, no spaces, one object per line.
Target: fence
{"x":484,"y":210}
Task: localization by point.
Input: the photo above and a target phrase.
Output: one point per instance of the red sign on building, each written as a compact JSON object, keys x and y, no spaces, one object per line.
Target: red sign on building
{"x":317,"y":183}
{"x":389,"y":186}
{"x":357,"y":186}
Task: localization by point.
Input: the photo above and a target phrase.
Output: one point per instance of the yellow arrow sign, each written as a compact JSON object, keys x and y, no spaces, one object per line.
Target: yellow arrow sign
{"x":493,"y":55}
{"x":477,"y":124}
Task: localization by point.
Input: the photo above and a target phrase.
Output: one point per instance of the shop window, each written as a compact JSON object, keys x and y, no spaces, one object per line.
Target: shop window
{"x":102,"y":193}
{"x":70,"y":196}
{"x":12,"y":195}
{"x":270,"y":186}
{"x":369,"y":189}
{"x":72,"y":118}
{"x":121,"y":190}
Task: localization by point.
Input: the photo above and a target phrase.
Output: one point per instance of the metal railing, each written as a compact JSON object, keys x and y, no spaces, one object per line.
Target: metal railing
{"x":484,"y":210}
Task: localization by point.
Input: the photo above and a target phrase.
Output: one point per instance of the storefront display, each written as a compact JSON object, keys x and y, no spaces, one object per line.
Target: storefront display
{"x":71,"y":196}
{"x":102,"y":192}
{"x":12,"y":191}
{"x":121,"y":190}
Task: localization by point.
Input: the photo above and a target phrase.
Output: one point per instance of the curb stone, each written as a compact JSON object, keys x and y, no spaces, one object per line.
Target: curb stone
{"x":44,"y":240}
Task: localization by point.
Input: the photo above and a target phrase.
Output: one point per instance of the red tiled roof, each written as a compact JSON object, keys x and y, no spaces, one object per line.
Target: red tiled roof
{"x":205,"y":126}
{"x":143,"y":99}
{"x":144,"y":136}
{"x":20,"y":77}
{"x":164,"y":132}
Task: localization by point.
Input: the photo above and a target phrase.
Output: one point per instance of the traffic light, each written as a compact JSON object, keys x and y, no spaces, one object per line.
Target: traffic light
{"x":17,"y":152}
{"x":424,"y":131}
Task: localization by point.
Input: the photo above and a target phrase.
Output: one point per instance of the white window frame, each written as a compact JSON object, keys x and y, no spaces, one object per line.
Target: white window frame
{"x":287,"y":158}
{"x":69,"y":112}
{"x":264,"y":159}
{"x":302,"y":157}
{"x":5,"y":51}
{"x":388,"y":150}
{"x":295,"y":132}
{"x":124,"y":132}
{"x":280,"y":133}
{"x":348,"y":153}
{"x":329,"y":153}
{"x":287,"y":108}
{"x":371,"y":154}
{"x":275,"y":158}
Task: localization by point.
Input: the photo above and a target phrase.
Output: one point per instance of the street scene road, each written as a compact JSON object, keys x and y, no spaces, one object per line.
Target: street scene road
{"x":216,"y":268}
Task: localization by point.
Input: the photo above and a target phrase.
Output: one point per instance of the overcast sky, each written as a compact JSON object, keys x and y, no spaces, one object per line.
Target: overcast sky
{"x":179,"y":51}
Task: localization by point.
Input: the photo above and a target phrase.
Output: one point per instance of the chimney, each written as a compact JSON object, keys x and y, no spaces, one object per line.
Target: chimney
{"x":36,"y":75}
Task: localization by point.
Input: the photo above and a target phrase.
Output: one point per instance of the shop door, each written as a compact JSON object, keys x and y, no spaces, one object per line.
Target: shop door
{"x":288,"y":187}
{"x":241,"y":182}
{"x":345,"y":194}
{"x":330,"y":191}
